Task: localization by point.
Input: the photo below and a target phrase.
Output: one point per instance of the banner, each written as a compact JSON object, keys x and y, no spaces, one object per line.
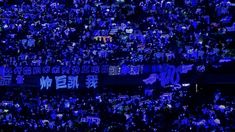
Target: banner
{"x":93,"y":76}
{"x":73,"y":70}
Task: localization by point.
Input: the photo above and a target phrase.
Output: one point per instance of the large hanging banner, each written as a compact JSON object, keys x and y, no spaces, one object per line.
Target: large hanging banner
{"x":90,"y":76}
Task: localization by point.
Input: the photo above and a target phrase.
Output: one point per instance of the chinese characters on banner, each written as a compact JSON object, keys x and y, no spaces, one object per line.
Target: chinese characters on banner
{"x":45,"y":82}
{"x":73,"y":82}
{"x":61,"y":82}
{"x":91,"y":120}
{"x":92,"y":81}
{"x":5,"y":80}
{"x":125,"y":70}
{"x":20,"y":79}
{"x":73,"y":70}
{"x":69,"y":82}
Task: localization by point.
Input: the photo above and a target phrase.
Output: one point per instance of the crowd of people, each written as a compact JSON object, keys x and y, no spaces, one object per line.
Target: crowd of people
{"x":58,"y":32}
{"x":166,"y":111}
{"x":114,"y":32}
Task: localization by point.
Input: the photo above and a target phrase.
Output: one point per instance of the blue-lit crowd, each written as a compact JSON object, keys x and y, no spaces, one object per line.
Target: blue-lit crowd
{"x":166,"y":111}
{"x":56,"y":32}
{"x":114,"y":32}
